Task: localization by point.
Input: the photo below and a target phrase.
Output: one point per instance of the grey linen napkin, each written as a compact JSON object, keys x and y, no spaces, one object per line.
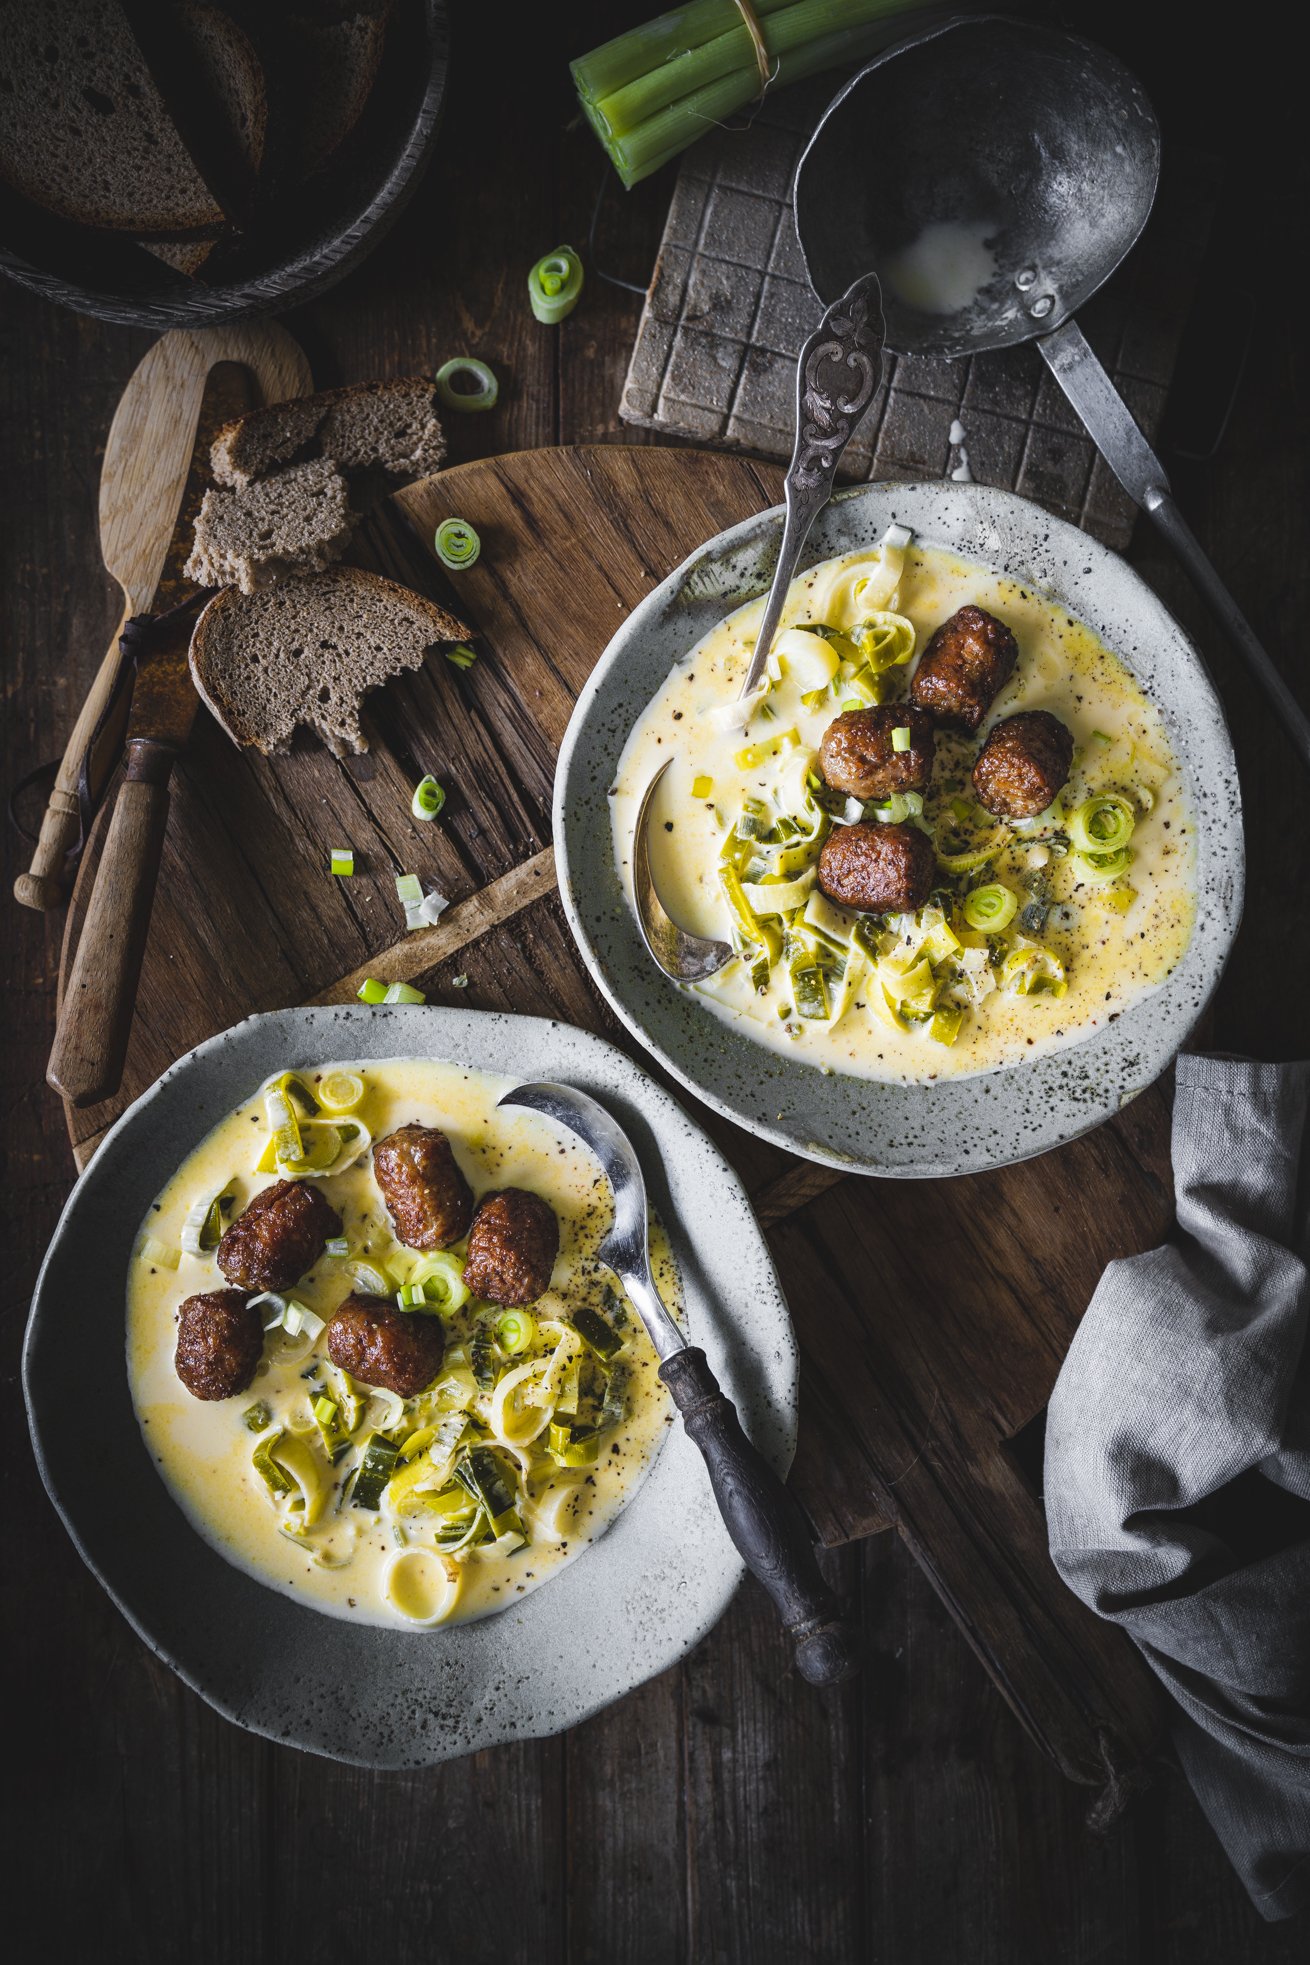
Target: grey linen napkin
{"x":1178,"y":1463}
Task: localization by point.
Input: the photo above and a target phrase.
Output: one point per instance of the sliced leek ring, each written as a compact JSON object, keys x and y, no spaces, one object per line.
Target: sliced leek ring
{"x":422,"y":1585}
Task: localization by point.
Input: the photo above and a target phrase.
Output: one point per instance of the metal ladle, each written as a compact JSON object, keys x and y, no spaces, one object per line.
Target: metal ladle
{"x":837,"y":376}
{"x":1048,"y":150}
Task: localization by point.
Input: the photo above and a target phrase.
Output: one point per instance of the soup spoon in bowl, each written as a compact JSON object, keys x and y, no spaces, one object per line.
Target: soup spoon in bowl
{"x":837,"y":376}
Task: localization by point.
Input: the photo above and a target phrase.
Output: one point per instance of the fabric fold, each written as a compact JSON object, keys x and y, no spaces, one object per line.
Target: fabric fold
{"x":1178,"y":1462}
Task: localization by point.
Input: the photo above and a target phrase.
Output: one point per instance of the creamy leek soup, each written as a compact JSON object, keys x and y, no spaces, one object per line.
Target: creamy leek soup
{"x":535,"y":1422}
{"x":1035,"y":931}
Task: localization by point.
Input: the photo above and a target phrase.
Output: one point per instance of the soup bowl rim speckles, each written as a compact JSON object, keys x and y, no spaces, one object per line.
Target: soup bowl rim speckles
{"x":626,"y":1608}
{"x":860,"y":1125}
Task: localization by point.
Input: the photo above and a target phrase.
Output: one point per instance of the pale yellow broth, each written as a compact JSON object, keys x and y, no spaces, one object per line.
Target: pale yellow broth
{"x":1110,"y":958}
{"x":203,"y":1450}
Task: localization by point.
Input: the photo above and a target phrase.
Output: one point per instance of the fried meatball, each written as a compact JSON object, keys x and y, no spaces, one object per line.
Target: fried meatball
{"x":427,"y":1197}
{"x":964,"y":667}
{"x":512,"y":1247}
{"x":878,"y":869}
{"x":280,"y":1236}
{"x":220,"y":1339}
{"x":857,"y":754}
{"x":1023,"y":764}
{"x":401,"y":1350}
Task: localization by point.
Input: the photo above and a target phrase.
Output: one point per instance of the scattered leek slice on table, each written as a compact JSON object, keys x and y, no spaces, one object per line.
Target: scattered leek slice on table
{"x":457,"y":544}
{"x":428,"y":799}
{"x":343,"y":861}
{"x":555,"y":285}
{"x":451,"y":376}
{"x":461,"y":656}
{"x":650,"y":92}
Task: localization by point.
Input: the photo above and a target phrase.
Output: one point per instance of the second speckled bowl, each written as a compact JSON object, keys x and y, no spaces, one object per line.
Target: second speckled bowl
{"x":952,"y":1126}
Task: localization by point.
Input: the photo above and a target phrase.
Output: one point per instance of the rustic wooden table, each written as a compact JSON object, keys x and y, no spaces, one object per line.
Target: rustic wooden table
{"x":723,"y":1811}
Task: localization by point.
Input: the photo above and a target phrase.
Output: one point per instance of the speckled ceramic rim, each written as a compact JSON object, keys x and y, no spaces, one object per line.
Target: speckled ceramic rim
{"x":625,"y":1609}
{"x":954,"y":1126}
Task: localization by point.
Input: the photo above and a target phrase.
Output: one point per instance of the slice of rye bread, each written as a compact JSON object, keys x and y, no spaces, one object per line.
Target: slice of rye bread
{"x":227,"y":67}
{"x":84,"y":130}
{"x":307,"y":651}
{"x":390,"y":424}
{"x":327,"y":69}
{"x":297,"y":522}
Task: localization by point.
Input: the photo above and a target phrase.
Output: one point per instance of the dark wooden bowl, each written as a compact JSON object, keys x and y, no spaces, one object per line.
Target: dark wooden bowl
{"x":305,"y":241}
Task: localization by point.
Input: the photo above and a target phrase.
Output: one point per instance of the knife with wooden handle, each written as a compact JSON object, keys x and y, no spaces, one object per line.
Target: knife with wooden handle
{"x":95,"y":1018}
{"x":144,"y":527}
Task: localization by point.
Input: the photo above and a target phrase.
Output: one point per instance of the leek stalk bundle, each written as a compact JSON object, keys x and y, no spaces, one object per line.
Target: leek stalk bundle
{"x":652,"y":91}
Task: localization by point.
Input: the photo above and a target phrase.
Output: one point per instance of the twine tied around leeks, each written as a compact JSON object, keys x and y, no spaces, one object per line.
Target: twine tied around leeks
{"x":751,"y":22}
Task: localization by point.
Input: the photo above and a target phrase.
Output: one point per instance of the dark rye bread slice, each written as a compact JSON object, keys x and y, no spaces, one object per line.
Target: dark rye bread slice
{"x":306,"y":653}
{"x":391,"y":424}
{"x":297,"y":522}
{"x":84,"y":130}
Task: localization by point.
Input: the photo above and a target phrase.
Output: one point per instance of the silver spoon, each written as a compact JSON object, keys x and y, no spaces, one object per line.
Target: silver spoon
{"x":1049,"y":146}
{"x":837,"y":376}
{"x":765,"y":1522}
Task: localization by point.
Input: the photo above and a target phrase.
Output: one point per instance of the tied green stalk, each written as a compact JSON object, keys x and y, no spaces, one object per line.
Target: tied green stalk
{"x":652,"y":91}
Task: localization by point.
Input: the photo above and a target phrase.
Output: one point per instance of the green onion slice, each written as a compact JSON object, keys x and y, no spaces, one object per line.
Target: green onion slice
{"x":403,"y":993}
{"x":343,"y":860}
{"x":409,"y":889}
{"x":461,"y":656}
{"x":990,"y":908}
{"x":427,"y":801}
{"x":372,"y":991}
{"x":457,"y":544}
{"x":453,"y":378}
{"x":202,"y":1231}
{"x":341,"y":1091}
{"x":375,"y":1470}
{"x":515,"y":1331}
{"x":1103,"y":824}
{"x":901,"y":737}
{"x":555,"y":285}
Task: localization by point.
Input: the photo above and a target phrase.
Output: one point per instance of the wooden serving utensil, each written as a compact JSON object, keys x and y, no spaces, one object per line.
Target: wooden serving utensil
{"x":148,"y":458}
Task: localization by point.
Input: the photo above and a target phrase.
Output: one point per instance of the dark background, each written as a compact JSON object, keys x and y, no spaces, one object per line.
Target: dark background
{"x":726,"y":1811}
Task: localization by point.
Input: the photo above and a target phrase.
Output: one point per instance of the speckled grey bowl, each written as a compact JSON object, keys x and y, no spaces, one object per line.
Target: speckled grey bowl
{"x":624,"y":1609}
{"x":953,"y":1126}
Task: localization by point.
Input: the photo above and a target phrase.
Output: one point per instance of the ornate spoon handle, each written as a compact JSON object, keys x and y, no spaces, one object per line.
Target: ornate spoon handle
{"x":837,"y":374}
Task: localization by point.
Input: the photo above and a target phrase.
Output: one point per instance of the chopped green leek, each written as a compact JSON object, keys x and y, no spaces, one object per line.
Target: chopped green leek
{"x":450,"y":380}
{"x":573,"y":1446}
{"x":944,"y":1027}
{"x":598,"y":1335}
{"x":372,"y":991}
{"x":375,"y":1470}
{"x":973,"y":859}
{"x":256,"y":1418}
{"x":409,"y":889}
{"x":427,"y":801}
{"x":343,"y":860}
{"x":990,"y":908}
{"x":461,"y":656}
{"x":555,"y":285}
{"x":885,"y":641}
{"x":436,"y":1283}
{"x":1030,"y":969}
{"x":341,"y":1091}
{"x":515,"y":1331}
{"x":159,"y":1254}
{"x":1103,"y":824}
{"x":753,"y":755}
{"x":1102,"y":868}
{"x":901,"y":739}
{"x":809,"y":988}
{"x":275,"y":1478}
{"x":478,"y":1471}
{"x":614,"y":1405}
{"x":481,"y":1362}
{"x":202,"y":1231}
{"x":403,"y":993}
{"x":457,"y":545}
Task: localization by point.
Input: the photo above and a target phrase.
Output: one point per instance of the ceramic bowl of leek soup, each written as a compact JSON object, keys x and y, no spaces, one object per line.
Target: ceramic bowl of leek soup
{"x":976,"y":845}
{"x":423,"y":1493}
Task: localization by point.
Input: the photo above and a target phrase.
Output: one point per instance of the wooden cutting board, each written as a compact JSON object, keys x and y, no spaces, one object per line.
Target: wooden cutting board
{"x":932,"y":1315}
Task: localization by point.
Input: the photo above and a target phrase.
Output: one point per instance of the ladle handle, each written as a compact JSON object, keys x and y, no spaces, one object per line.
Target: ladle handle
{"x":765,"y":1522}
{"x":1112,"y":429}
{"x":837,"y":375}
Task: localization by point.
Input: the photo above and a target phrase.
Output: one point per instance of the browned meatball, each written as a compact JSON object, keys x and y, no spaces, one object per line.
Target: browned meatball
{"x":512,"y":1247}
{"x":400,"y":1350}
{"x":857,"y":754}
{"x":878,"y":869}
{"x":1023,"y":764}
{"x":280,"y":1236}
{"x":427,"y":1197}
{"x":964,"y":667}
{"x":220,"y":1339}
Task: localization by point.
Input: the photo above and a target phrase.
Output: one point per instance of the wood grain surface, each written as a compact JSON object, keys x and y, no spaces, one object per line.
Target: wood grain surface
{"x":725,"y":1811}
